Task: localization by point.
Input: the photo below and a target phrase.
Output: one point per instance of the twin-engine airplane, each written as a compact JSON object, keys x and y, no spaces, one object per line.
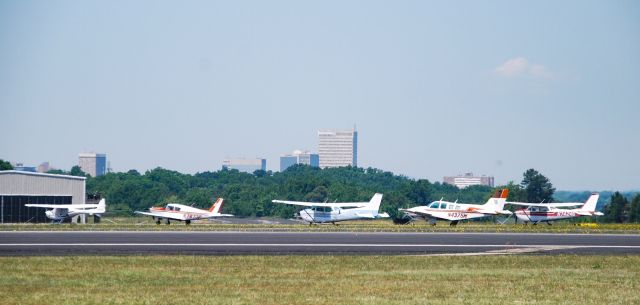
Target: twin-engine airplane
{"x":546,"y":212}
{"x":454,"y":211}
{"x":181,"y":212}
{"x":335,"y":212}
{"x":60,"y":212}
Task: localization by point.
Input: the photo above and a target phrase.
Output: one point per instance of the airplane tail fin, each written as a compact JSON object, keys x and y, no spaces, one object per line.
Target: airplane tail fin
{"x":102,"y":206}
{"x":375,"y":201}
{"x":497,"y":201}
{"x":590,"y":204}
{"x":217,"y":206}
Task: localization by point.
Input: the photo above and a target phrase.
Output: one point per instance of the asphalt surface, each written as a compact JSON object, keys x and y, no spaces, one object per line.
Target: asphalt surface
{"x":264,"y":243}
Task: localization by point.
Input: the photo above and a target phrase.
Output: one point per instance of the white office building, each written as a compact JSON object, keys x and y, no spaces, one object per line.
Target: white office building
{"x":93,"y":164}
{"x":338,"y":148}
{"x":299,"y":157}
{"x":245,"y":165}
{"x":468,"y":179}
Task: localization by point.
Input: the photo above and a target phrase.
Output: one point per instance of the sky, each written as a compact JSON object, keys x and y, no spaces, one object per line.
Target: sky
{"x":435,"y":88}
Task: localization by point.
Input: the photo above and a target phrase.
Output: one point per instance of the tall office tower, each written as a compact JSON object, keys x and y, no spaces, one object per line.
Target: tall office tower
{"x":245,"y":165}
{"x":338,"y":148}
{"x":93,"y":164}
{"x":44,"y":167}
{"x":468,"y":179}
{"x":299,"y":157}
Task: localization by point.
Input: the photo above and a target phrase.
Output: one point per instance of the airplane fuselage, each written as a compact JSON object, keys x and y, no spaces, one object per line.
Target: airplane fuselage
{"x":62,"y":214}
{"x":447,"y":211}
{"x":336,"y":214}
{"x":180,"y":212}
{"x":545,"y":215}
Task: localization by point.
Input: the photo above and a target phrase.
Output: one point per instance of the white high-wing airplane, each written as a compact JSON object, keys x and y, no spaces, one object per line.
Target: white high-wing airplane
{"x":60,"y":212}
{"x":546,"y":212}
{"x":339,"y":211}
{"x":454,"y":211}
{"x":181,"y":212}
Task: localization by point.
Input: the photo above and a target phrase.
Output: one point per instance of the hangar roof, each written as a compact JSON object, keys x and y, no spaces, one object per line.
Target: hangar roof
{"x":42,"y":175}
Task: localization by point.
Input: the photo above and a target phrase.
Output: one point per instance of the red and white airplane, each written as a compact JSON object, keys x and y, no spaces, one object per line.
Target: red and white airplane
{"x":546,"y":212}
{"x":454,"y":211}
{"x":181,"y":212}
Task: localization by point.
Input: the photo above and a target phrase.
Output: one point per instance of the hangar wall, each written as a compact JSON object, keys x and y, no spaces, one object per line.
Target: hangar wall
{"x":18,"y":188}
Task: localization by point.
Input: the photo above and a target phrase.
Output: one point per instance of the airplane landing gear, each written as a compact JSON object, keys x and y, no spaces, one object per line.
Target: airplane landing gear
{"x":168,"y":221}
{"x":453,"y":223}
{"x":187,"y":222}
{"x":158,"y":221}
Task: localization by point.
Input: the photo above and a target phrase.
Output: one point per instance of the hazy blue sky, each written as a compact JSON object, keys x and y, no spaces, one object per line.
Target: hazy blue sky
{"x":435,"y":87}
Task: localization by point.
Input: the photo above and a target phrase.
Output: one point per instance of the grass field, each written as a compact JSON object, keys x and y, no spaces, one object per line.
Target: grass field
{"x":145,"y":224}
{"x":320,"y":280}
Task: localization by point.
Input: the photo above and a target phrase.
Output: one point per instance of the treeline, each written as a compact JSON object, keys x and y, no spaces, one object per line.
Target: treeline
{"x":251,"y":194}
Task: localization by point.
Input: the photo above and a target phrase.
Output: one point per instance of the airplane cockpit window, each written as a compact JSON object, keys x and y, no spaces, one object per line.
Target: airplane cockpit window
{"x":443,"y":205}
{"x":544,"y":209}
{"x":176,"y":209}
{"x":170,"y":208}
{"x":433,"y":205}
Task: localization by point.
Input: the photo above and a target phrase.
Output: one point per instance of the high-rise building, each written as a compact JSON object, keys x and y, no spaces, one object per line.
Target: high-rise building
{"x":44,"y":167}
{"x":299,"y":157}
{"x":338,"y":148}
{"x":245,"y":165}
{"x":93,"y":164}
{"x":468,"y":179}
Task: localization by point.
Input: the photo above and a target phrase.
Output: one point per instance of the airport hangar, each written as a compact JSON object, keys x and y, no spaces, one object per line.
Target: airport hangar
{"x":18,"y":188}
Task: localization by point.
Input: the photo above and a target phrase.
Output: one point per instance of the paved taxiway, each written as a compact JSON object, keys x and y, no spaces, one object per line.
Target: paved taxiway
{"x":259,"y":243}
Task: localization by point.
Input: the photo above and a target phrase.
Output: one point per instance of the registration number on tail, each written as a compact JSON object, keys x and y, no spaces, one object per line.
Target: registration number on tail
{"x":457,"y":215}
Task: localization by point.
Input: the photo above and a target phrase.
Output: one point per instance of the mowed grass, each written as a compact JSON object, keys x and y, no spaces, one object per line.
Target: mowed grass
{"x":146,"y":224}
{"x":562,"y":279}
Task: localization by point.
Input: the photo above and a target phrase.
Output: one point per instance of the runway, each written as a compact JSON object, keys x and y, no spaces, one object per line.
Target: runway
{"x":306,"y":243}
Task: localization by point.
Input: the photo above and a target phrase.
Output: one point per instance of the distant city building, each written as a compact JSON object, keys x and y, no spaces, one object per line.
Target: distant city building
{"x":245,"y":165}
{"x":462,"y":181}
{"x":22,"y":168}
{"x":299,"y":157}
{"x":44,"y":167}
{"x":338,"y":148}
{"x":93,"y":164}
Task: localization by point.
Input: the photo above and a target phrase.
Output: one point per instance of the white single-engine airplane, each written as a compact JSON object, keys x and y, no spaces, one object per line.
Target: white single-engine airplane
{"x":181,"y":212}
{"x":546,"y":212}
{"x":339,"y":211}
{"x":60,"y":212}
{"x":454,"y":211}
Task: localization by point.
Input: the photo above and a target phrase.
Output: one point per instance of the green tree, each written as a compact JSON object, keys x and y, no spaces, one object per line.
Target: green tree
{"x":634,"y":211}
{"x":537,"y":187}
{"x":77,"y":171}
{"x":616,"y":210}
{"x":5,"y":165}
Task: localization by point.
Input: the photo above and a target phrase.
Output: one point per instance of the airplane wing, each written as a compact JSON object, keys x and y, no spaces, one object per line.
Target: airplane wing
{"x":554,"y":205}
{"x":63,"y":206}
{"x":322,"y":204}
{"x":162,"y":215}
